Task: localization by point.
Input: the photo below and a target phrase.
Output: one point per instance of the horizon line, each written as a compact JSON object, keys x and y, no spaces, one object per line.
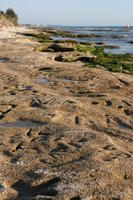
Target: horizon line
{"x":75,"y":25}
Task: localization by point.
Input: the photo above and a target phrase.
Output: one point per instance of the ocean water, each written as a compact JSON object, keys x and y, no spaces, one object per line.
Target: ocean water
{"x":111,"y":35}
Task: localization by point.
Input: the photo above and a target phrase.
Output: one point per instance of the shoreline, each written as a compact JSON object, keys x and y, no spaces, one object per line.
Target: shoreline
{"x":65,"y":128}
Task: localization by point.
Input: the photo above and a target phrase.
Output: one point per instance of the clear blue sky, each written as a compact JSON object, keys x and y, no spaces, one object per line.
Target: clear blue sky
{"x":72,"y":12}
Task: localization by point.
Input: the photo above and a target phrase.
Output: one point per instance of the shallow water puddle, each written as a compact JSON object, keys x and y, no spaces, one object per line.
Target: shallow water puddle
{"x":63,"y":80}
{"x":22,"y":124}
{"x":2,"y":60}
{"x":28,"y":87}
{"x":43,"y":81}
{"x":124,"y":125}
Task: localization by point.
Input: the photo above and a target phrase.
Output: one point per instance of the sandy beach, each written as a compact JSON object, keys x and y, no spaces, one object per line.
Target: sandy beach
{"x":66,"y":130}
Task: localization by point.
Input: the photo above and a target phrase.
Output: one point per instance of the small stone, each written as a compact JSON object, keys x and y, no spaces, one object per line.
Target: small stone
{"x":1,"y":116}
{"x":77,"y":120}
{"x":35,"y":103}
{"x":108,"y":103}
{"x":12,"y":93}
{"x":120,"y":107}
{"x":126,"y":176}
{"x":2,"y":187}
{"x":108,"y":120}
{"x":95,"y":103}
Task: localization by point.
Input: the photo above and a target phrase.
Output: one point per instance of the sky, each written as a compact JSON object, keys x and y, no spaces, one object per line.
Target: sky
{"x":72,"y":12}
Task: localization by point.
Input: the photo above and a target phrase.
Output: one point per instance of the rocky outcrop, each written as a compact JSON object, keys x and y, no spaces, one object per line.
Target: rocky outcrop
{"x":5,"y":21}
{"x":74,"y":56}
{"x":66,"y":130}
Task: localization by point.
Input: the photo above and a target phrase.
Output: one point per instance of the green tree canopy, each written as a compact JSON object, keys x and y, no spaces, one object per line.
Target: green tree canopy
{"x":11,"y":13}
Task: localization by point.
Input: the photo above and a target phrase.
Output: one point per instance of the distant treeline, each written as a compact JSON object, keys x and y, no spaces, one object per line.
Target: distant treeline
{"x":11,"y":15}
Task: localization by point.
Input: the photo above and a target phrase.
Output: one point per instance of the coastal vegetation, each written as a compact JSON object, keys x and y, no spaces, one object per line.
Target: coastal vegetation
{"x":10,"y":16}
{"x":111,"y":62}
{"x":40,"y":37}
{"x":66,"y":123}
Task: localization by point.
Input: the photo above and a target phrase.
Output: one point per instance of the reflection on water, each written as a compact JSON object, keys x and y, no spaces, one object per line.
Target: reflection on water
{"x":22,"y":124}
{"x":63,"y":80}
{"x":4,"y":59}
{"x":45,"y":81}
{"x":117,"y":36}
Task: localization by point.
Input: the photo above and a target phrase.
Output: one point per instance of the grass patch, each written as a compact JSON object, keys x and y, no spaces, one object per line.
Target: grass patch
{"x":83,"y":48}
{"x":41,"y":37}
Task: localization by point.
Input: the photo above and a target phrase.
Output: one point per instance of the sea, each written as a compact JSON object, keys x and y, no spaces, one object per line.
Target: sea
{"x":111,"y":35}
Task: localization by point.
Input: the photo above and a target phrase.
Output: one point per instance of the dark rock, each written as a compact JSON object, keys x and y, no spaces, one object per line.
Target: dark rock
{"x":130,"y":42}
{"x":2,"y":187}
{"x":60,"y":58}
{"x":111,"y":47}
{"x":108,"y":103}
{"x":2,"y":116}
{"x":58,"y":48}
{"x":86,"y":59}
{"x":36,"y":103}
{"x":76,"y":198}
{"x":128,"y":112}
{"x":77,"y":120}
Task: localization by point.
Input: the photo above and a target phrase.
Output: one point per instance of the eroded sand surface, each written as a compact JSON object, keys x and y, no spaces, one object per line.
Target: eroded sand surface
{"x":66,"y":131}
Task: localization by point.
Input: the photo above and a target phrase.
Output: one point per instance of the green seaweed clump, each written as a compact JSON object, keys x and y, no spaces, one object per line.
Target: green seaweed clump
{"x":112,"y":62}
{"x":41,"y":37}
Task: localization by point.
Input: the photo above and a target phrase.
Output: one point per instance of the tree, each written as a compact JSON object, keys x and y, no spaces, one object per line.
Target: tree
{"x":11,"y":14}
{"x":1,"y":12}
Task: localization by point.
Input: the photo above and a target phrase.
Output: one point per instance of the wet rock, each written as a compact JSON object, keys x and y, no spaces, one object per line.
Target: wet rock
{"x":58,"y":48}
{"x":35,"y":103}
{"x":111,"y":47}
{"x":130,"y":42}
{"x":3,"y":59}
{"x":3,"y":187}
{"x":88,"y":36}
{"x":100,"y":43}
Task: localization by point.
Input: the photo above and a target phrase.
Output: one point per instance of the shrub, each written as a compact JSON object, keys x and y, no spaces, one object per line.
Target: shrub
{"x":11,"y":13}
